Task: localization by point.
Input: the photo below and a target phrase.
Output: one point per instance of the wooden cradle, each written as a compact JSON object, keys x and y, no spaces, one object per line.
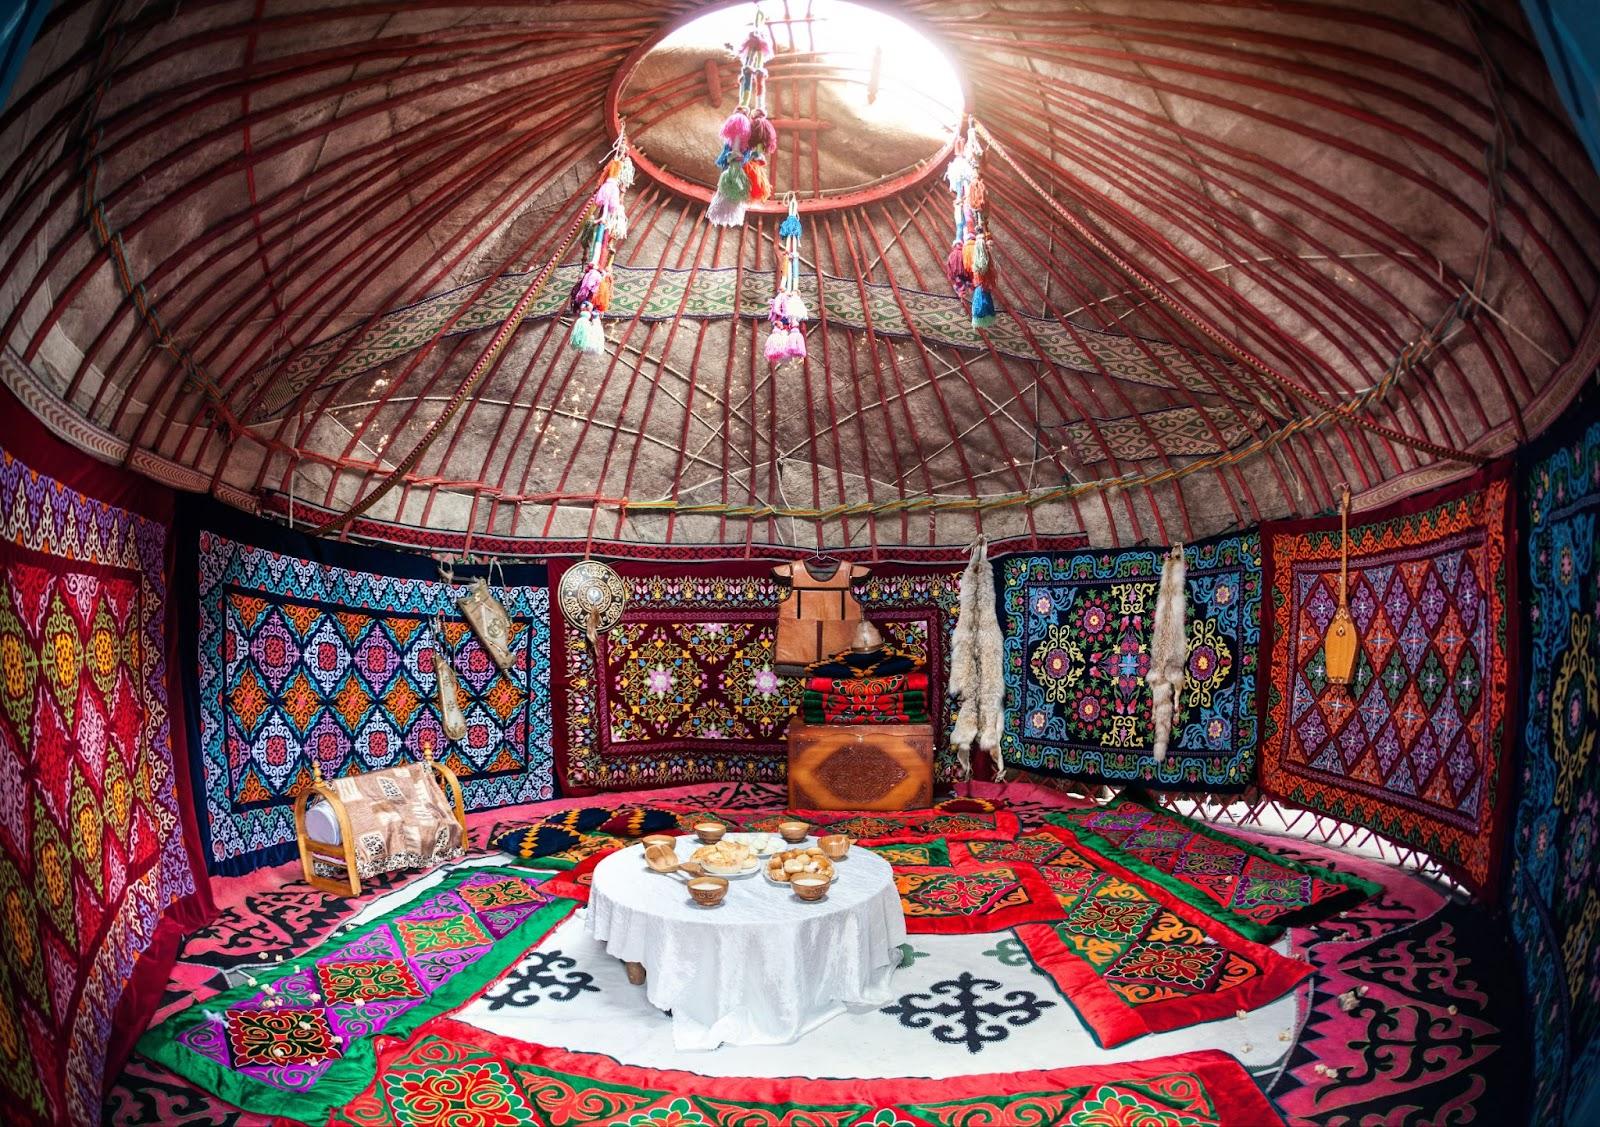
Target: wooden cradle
{"x":343,"y":853}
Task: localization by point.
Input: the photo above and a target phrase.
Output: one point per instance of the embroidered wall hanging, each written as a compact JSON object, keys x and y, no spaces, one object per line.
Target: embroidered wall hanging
{"x":92,"y":850}
{"x":299,"y":659}
{"x":1555,"y":870}
{"x":684,"y":688}
{"x":1077,"y":636}
{"x":456,"y":1073}
{"x":1416,"y":745}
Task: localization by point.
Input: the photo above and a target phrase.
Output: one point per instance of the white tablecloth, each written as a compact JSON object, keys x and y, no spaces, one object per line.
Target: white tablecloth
{"x":761,"y":968}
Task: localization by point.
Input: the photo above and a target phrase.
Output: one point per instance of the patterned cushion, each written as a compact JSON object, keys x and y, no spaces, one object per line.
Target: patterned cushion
{"x":580,"y":819}
{"x":537,"y":840}
{"x":636,"y":821}
{"x":967,"y":806}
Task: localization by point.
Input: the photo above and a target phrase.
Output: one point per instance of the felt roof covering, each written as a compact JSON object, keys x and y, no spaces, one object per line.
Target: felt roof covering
{"x":259,"y":248}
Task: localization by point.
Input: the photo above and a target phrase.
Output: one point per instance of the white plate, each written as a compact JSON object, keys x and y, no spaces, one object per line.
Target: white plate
{"x":785,"y":884}
{"x":731,"y":874}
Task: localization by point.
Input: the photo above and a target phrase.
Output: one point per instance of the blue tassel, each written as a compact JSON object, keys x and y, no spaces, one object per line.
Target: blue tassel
{"x":982,"y":308}
{"x":722,"y":157}
{"x":789,"y":228}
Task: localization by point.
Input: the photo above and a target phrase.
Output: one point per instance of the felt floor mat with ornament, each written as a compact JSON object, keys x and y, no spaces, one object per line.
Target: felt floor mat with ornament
{"x":453,"y":1073}
{"x":1254,"y":891}
{"x":1134,"y":959}
{"x":1411,"y":1006}
{"x":297,"y":1039}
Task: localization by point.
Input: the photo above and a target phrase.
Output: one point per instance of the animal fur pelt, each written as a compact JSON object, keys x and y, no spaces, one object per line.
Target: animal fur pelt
{"x":975,"y":662}
{"x":1169,"y":648}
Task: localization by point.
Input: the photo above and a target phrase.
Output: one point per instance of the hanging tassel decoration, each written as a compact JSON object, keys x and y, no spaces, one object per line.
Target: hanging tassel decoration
{"x":748,"y":136}
{"x":604,"y":230}
{"x":787,"y":310}
{"x":970,"y":266}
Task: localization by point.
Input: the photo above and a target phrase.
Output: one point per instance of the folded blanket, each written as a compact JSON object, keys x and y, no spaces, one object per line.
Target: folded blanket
{"x":869,"y":686}
{"x":890,"y":708}
{"x":875,"y":663}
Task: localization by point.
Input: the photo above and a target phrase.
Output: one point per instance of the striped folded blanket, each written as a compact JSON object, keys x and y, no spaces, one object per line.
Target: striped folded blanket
{"x":886,"y":708}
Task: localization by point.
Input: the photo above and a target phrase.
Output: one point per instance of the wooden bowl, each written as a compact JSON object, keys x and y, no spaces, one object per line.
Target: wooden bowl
{"x":709,"y":833}
{"x":808,"y":886}
{"x":661,"y":858}
{"x":708,"y":891}
{"x":659,"y":839}
{"x":794,"y":832}
{"x":835,"y":847}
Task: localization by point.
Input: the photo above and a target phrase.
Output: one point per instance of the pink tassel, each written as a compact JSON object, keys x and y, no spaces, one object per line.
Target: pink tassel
{"x":608,"y":198}
{"x":776,"y":312}
{"x":583,"y":292}
{"x":777,"y":346}
{"x":736,"y":130}
{"x":763,"y":134}
{"x":797,"y":344}
{"x":758,"y":41}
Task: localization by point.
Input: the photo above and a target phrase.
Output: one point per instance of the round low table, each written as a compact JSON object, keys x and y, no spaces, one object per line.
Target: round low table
{"x":761,"y":968}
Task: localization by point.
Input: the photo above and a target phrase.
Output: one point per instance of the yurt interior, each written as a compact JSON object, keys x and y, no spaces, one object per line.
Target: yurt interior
{"x":799,"y":563}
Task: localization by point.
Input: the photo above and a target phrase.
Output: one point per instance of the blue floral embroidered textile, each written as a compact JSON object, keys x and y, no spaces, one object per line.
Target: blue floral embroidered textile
{"x":1077,"y":641}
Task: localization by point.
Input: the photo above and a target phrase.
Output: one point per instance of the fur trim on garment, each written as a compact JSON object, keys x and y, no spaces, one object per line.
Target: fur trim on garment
{"x":1169,"y":649}
{"x":975,"y":662}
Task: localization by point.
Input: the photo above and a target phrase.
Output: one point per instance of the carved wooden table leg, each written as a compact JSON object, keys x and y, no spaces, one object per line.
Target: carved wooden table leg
{"x":635,"y":973}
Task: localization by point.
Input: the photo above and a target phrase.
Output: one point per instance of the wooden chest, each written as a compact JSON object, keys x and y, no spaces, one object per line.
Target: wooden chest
{"x":860,"y":766}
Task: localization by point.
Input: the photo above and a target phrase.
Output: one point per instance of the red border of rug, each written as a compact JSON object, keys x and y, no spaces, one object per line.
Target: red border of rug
{"x":1235,"y":1095}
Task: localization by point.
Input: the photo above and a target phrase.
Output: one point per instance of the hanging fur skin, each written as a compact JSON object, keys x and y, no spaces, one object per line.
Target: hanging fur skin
{"x":975,"y":663}
{"x":1169,"y":648}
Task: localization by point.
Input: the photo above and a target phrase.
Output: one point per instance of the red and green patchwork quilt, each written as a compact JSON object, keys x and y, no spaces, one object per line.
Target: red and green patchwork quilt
{"x":1251,"y":889}
{"x":966,"y":898}
{"x":1134,"y":959}
{"x":455,"y":1074}
{"x":297,"y":1040}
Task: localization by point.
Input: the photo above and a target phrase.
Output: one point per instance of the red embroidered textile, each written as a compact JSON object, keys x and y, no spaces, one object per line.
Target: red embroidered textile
{"x":1419,"y":746}
{"x":869,"y":687}
{"x":98,"y":880}
{"x":460,"y":1073}
{"x":965,"y":898}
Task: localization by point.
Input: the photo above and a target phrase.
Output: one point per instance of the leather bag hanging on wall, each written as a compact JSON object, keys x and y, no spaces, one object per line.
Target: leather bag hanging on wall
{"x":488,"y":619}
{"x":451,"y":718}
{"x":818,"y":617}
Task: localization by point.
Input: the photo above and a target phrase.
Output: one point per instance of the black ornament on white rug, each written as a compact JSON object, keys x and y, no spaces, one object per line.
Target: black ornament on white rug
{"x":968,"y":1011}
{"x":541,"y":979}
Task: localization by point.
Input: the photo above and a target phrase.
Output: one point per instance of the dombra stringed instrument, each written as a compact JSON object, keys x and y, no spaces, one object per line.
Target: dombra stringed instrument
{"x":1339,"y":646}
